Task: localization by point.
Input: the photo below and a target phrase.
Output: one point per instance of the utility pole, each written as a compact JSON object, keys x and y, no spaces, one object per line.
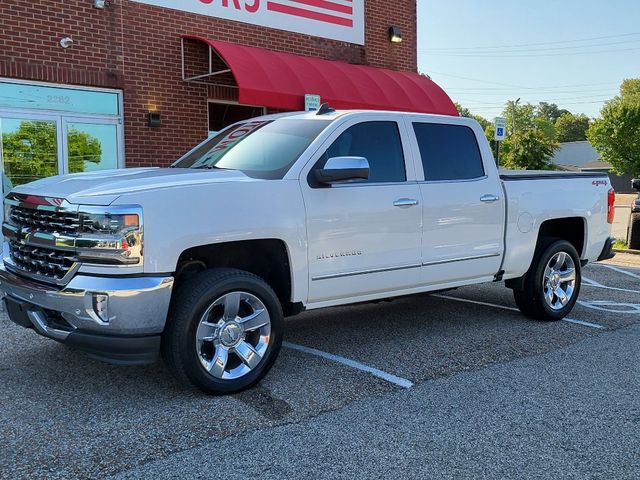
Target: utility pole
{"x":514,"y":105}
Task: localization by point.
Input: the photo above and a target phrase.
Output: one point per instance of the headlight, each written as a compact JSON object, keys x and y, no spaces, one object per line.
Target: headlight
{"x":7,"y":212}
{"x":112,"y":237}
{"x":108,"y":223}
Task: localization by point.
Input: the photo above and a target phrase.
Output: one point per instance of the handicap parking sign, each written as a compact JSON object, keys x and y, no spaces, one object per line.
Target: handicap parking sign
{"x":500,"y":126}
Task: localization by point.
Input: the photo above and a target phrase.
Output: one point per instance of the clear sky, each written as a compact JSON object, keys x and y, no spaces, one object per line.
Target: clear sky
{"x":573,"y":53}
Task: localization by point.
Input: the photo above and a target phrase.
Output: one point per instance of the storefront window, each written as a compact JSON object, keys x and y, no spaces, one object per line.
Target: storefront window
{"x":48,"y":130}
{"x":29,"y":150}
{"x":40,"y":97}
{"x":91,"y":147}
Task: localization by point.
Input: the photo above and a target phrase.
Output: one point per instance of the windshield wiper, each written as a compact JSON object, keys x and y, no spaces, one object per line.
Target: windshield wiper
{"x":211,"y":167}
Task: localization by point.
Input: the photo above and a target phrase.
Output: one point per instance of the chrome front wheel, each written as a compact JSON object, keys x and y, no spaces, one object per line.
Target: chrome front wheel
{"x":559,"y":280}
{"x":233,"y":335}
{"x":224,"y":330}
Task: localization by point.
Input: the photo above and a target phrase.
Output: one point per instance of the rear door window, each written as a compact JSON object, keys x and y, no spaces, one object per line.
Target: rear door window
{"x":448,"y":152}
{"x":379,"y":143}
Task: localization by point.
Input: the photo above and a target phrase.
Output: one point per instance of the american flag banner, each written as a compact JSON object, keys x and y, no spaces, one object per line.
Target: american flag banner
{"x":335,"y":19}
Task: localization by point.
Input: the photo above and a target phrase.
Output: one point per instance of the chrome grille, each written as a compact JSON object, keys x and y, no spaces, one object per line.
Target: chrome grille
{"x":46,"y":262}
{"x":31,"y":232}
{"x":45,"y":220}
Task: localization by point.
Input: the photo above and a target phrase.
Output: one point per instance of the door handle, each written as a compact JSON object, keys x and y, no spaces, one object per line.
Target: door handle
{"x":405,"y":202}
{"x":489,"y":198}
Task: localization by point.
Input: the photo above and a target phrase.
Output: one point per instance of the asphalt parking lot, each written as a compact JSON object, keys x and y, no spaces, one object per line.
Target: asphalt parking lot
{"x":457,"y":385}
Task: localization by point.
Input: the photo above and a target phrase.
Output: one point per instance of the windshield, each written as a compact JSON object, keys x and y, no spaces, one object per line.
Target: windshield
{"x":259,"y":148}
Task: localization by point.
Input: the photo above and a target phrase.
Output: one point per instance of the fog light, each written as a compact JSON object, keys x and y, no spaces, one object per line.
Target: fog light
{"x":101,"y":306}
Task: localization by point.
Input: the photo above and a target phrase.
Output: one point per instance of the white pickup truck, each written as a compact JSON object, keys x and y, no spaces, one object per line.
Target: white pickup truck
{"x":282,"y":213}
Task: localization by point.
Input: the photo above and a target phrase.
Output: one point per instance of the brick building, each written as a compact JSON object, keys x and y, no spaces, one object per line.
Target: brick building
{"x":80,"y":80}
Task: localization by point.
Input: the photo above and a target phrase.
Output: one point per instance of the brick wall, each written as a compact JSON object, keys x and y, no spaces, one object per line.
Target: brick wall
{"x":136,"y":47}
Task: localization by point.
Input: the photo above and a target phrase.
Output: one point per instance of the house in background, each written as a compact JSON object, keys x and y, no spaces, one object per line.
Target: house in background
{"x":582,"y":157}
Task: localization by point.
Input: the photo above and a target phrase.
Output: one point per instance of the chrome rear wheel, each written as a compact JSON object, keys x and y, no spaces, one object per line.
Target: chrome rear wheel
{"x":559,"y":280}
{"x":550,"y":288}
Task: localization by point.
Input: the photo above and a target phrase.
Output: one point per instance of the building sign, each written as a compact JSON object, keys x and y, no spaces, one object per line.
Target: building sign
{"x":42,"y":97}
{"x":335,"y":19}
{"x":311,"y":102}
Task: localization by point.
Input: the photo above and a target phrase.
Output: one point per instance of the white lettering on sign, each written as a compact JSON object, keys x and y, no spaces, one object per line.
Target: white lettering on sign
{"x":335,"y":19}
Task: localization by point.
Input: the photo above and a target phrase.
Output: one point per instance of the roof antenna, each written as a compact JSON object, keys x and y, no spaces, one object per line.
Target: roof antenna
{"x":325,"y":108}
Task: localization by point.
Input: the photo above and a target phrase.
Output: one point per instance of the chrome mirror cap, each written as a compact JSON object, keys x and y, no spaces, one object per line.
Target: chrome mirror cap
{"x":343,"y":169}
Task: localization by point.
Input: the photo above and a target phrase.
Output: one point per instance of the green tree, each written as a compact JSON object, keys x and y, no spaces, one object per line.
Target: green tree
{"x":629,"y":87}
{"x":572,"y":128}
{"x":545,"y":126}
{"x":549,"y":111}
{"x":616,"y":134}
{"x":522,"y":116}
{"x":465,"y":112}
{"x":529,"y":149}
{"x":31,"y":151}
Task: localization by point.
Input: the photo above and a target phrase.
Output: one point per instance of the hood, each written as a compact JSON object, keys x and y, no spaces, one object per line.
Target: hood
{"x":104,"y":187}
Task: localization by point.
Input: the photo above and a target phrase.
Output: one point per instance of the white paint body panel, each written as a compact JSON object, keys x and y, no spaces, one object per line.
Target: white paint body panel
{"x":187,"y":208}
{"x":549,"y":199}
{"x":463,"y":237}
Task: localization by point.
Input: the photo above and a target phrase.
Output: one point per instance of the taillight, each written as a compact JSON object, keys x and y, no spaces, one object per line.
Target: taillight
{"x":611,"y":200}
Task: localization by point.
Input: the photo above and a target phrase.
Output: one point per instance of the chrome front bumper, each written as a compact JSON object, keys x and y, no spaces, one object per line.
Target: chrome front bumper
{"x":90,"y":307}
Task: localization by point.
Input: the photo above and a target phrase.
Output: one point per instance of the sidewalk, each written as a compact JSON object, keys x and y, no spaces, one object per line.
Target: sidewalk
{"x":623,"y":212}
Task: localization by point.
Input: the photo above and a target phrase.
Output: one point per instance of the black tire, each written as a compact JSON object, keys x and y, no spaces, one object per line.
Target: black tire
{"x":633,"y":234}
{"x":530,"y":300}
{"x":190,"y":301}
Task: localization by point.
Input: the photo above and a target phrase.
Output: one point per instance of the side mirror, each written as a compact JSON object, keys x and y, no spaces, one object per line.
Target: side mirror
{"x":343,"y":169}
{"x":635,"y":184}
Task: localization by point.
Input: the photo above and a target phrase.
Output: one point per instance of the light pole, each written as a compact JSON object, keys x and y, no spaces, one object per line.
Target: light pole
{"x":514,"y":105}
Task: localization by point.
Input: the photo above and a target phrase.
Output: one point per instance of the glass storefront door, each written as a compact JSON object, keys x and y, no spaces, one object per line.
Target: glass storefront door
{"x":30,"y":147}
{"x":38,"y":146}
{"x":49,"y":129}
{"x":90,"y":145}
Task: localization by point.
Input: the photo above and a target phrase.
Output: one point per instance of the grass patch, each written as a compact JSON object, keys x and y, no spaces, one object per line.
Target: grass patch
{"x":620,"y":245}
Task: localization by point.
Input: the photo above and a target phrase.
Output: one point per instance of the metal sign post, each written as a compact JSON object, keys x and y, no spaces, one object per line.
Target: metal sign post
{"x":500,"y":127}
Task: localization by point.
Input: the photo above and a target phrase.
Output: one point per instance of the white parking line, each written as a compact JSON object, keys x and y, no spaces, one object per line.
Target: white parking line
{"x":609,"y":306}
{"x":466,"y":300}
{"x":401,"y":382}
{"x":448,"y":297}
{"x":581,"y":322}
{"x":587,"y":282}
{"x":619,"y":270}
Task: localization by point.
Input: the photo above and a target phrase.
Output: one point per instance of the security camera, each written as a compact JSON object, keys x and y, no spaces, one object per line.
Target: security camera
{"x":66,"y":42}
{"x":99,"y":3}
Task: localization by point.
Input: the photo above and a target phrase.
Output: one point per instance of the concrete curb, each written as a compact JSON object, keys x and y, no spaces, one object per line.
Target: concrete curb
{"x":628,"y":250}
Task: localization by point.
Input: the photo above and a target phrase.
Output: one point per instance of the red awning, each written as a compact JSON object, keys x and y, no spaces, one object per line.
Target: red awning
{"x":280,"y":80}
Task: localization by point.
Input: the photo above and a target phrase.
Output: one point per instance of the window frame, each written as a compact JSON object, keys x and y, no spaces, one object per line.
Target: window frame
{"x":455,"y":122}
{"x":343,"y":126}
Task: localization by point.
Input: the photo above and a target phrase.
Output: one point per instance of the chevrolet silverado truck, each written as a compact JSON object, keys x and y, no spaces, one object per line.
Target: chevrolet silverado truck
{"x":200,"y":262}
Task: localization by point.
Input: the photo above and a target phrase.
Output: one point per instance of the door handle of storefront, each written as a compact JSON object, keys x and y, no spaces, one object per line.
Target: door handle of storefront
{"x":489,"y":198}
{"x":405,"y":202}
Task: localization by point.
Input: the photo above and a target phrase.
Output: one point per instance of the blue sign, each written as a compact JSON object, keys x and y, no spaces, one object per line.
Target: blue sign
{"x":500,"y":132}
